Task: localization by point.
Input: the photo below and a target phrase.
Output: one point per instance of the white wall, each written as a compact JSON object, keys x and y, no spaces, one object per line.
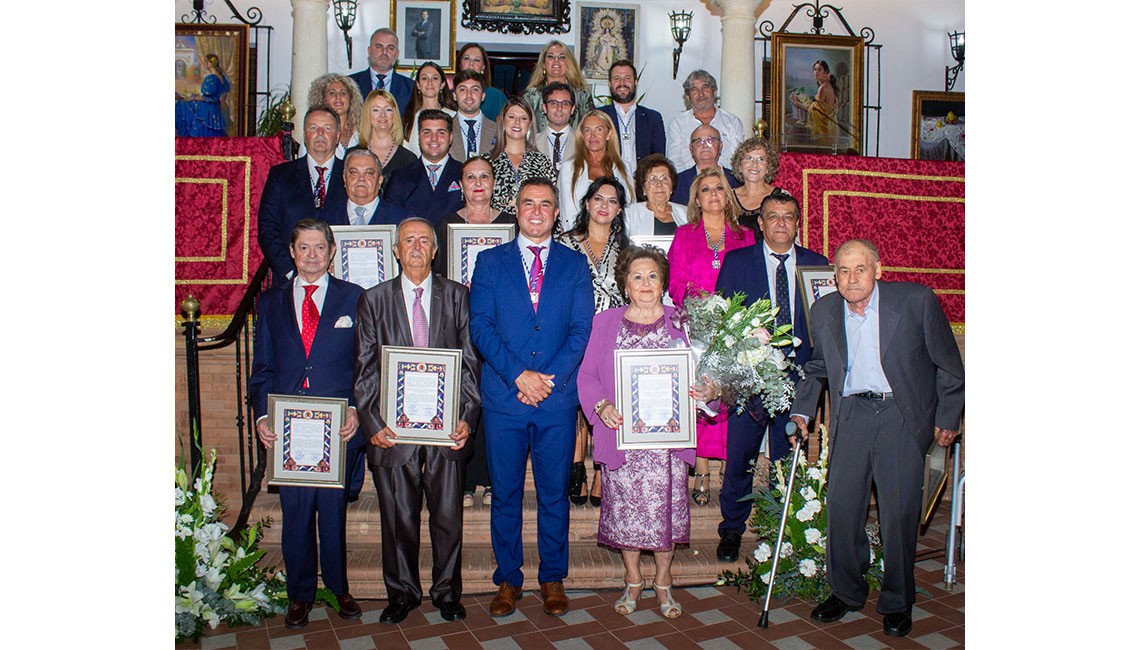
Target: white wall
{"x":913,"y":34}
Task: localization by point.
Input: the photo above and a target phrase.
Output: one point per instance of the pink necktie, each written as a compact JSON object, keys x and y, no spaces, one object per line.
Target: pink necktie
{"x":536,"y":275}
{"x":433,"y":174}
{"x":419,"y":321}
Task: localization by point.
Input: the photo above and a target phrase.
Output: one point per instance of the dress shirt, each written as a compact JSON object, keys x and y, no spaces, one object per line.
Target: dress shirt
{"x":387,"y":79}
{"x":464,"y":127}
{"x":562,"y":144}
{"x":528,"y":257}
{"x":773,"y":265}
{"x":313,"y":175}
{"x":680,"y":131}
{"x":864,"y":361}
{"x":409,"y":288}
{"x":299,"y":285}
{"x":627,"y":135}
{"x":370,"y":210}
{"x":442,"y":162}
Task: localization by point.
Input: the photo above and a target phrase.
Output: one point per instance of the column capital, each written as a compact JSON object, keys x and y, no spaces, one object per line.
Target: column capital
{"x":322,"y":3}
{"x":736,"y":8}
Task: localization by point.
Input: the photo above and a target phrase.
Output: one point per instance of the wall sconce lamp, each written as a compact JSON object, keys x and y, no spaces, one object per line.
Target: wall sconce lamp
{"x":958,"y":51}
{"x":682,"y":24}
{"x":345,"y":13}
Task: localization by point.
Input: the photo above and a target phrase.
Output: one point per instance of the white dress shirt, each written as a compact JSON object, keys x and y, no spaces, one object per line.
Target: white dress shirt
{"x":369,"y":210}
{"x":409,"y":288}
{"x":627,"y":135}
{"x":680,"y":131}
{"x":299,"y":285}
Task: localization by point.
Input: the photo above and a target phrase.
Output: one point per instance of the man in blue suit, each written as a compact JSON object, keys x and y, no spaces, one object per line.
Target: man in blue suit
{"x":430,"y":189}
{"x":704,"y":145}
{"x":424,"y":33}
{"x":765,"y":270}
{"x":641,"y":131}
{"x":299,"y":189}
{"x":365,"y":206}
{"x":304,"y":346}
{"x":383,"y":52}
{"x":532,"y":307}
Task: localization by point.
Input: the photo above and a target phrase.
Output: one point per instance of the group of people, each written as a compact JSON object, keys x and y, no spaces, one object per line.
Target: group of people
{"x":544,"y":314}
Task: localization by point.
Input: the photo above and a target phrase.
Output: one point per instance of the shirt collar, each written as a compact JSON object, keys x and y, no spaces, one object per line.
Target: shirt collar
{"x":409,"y":286}
{"x":872,"y":304}
{"x":300,"y":282}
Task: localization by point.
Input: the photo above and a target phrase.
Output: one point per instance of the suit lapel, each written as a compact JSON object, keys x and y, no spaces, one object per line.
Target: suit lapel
{"x":839,"y":334}
{"x":333,"y":299}
{"x":290,"y":309}
{"x":888,"y":322}
{"x":396,"y":303}
{"x":522,"y":283}
{"x":436,"y":319}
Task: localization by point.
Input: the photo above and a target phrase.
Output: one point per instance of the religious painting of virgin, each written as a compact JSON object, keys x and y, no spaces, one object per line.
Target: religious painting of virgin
{"x":817,"y":93}
{"x":606,"y":33}
{"x":210,"y":80}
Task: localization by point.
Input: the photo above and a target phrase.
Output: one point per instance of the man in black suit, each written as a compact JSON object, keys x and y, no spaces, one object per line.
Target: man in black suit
{"x":896,"y":383}
{"x":383,"y":52}
{"x":299,"y":189}
{"x":640,"y":130}
{"x":365,"y":206}
{"x":420,"y":309}
{"x":430,"y":189}
{"x":765,"y":270}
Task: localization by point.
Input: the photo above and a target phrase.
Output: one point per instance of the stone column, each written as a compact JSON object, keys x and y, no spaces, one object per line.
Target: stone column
{"x":310,"y":53}
{"x":737,"y":81}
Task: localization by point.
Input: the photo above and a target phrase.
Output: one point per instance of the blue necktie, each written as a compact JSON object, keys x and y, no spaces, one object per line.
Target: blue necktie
{"x":472,"y":148}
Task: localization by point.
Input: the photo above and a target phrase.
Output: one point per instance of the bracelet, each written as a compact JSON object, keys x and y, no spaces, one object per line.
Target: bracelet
{"x":600,"y":405}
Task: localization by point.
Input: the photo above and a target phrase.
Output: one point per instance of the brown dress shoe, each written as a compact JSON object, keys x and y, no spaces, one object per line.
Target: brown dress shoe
{"x":298,"y":614}
{"x":504,"y":602}
{"x":349,"y":610}
{"x":554,"y":600}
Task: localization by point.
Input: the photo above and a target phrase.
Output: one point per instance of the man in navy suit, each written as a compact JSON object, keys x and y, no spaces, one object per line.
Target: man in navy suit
{"x":424,"y":33}
{"x":430,"y":189}
{"x":299,"y":189}
{"x":304,"y":346}
{"x":383,"y":52}
{"x":704,"y":145}
{"x":641,"y":131}
{"x":532,"y":307}
{"x":365,"y":206}
{"x":765,"y":270}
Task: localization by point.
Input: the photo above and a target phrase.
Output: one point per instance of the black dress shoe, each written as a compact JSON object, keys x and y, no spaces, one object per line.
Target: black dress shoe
{"x":349,"y":609}
{"x":298,"y":614}
{"x":451,"y":611}
{"x":729,"y":548}
{"x":897,"y":624}
{"x":396,"y":612}
{"x":832,"y":610}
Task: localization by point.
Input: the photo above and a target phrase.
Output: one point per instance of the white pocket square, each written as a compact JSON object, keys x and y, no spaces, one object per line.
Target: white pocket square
{"x":344,"y":321}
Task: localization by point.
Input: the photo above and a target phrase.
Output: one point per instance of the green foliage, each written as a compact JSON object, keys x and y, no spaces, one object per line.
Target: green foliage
{"x":270,"y":120}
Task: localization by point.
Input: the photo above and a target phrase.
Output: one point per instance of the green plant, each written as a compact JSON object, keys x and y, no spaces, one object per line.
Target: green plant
{"x":270,"y":120}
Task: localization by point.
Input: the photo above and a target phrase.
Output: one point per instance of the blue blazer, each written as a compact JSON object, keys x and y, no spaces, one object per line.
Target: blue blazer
{"x":279,"y":361}
{"x":286,"y":199}
{"x":685,"y":181}
{"x":650,"y":136}
{"x":513,"y":338}
{"x":401,"y":86}
{"x":386,"y":214}
{"x":411,"y":189}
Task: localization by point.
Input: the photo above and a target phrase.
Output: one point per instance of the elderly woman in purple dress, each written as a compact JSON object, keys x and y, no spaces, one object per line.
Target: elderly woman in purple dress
{"x":645,"y":503}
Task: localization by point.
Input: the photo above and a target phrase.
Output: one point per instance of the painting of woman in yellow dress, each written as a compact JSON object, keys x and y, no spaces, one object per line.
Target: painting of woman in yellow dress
{"x":820,"y":109}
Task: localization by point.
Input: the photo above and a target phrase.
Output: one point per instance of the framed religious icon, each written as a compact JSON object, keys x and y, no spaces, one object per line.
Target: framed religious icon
{"x":814,"y":282}
{"x":817,"y":93}
{"x":308,"y":451}
{"x":653,"y":398}
{"x":938,"y":126}
{"x":606,"y":33}
{"x":517,"y":16}
{"x":211,"y":80}
{"x":419,"y":393}
{"x":466,"y":240}
{"x":364,"y":254}
{"x":427,"y":33}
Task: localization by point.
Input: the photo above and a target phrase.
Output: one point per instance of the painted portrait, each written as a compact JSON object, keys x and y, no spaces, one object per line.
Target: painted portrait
{"x":210,"y":67}
{"x":817,"y":92}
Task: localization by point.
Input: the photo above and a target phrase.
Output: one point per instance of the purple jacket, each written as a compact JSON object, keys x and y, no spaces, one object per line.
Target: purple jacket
{"x":596,"y":381}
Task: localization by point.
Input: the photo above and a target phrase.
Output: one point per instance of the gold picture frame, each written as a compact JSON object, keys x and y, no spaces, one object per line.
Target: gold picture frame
{"x":801,"y":121}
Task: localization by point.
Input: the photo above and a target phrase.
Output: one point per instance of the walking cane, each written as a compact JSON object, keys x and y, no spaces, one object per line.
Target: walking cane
{"x":790,"y":429}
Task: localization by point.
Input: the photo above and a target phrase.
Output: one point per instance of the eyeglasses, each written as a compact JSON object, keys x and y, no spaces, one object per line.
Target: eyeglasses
{"x":707,"y":141}
{"x":656,"y":180}
{"x":559,"y":103}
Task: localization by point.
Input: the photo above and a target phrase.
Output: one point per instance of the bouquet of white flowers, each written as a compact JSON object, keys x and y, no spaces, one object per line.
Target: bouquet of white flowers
{"x":742,"y":350}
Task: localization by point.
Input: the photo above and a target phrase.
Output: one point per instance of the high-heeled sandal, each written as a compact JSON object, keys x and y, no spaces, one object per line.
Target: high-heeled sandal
{"x":627,"y":604}
{"x":670,"y":608}
{"x":701,"y":492}
{"x":577,"y":482}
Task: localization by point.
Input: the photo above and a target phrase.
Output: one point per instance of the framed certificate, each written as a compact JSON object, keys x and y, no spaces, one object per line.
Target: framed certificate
{"x":364,"y":254}
{"x":466,"y":240}
{"x":814,"y":282}
{"x":309,"y":451}
{"x":660,"y":241}
{"x":419,"y":395}
{"x":653,"y":398}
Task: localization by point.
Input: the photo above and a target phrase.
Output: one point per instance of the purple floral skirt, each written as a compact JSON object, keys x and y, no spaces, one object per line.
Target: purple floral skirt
{"x":645,"y":502}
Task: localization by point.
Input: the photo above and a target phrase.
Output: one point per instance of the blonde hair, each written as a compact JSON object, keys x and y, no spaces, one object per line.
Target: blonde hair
{"x":355,"y":102}
{"x":573,"y":72}
{"x":397,"y":130}
{"x":612,"y":164}
{"x":731,"y":207}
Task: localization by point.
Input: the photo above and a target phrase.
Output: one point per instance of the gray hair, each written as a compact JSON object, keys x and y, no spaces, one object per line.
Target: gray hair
{"x":426,"y":222}
{"x":703,"y":76}
{"x":853,"y":243}
{"x":385,"y":30}
{"x":356,"y":152}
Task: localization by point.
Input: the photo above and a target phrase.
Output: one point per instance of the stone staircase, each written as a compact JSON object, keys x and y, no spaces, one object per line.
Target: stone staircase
{"x":591,"y":566}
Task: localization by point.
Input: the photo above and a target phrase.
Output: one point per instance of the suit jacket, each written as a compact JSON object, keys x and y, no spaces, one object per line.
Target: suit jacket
{"x":512,"y":337}
{"x":383,"y":320}
{"x":279,"y":361}
{"x":400,"y":86}
{"x":685,"y":182}
{"x":458,"y":149}
{"x":286,"y":199}
{"x":410,"y":188}
{"x":650,"y":135}
{"x":385,"y":214}
{"x":916,"y":348}
{"x":543,"y":142}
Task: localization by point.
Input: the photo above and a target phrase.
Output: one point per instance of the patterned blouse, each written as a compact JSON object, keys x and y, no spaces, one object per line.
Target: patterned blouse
{"x":606,"y":294}
{"x":507,"y":178}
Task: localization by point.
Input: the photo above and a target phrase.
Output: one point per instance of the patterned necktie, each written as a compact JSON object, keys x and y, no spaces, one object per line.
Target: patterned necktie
{"x":319,"y":192}
{"x":557,"y":151}
{"x":309,"y":318}
{"x":379,"y":82}
{"x":433,"y":174}
{"x":536,"y":275}
{"x":472,"y":147}
{"x":784,"y":317}
{"x":360,"y":210}
{"x":419,"y":321}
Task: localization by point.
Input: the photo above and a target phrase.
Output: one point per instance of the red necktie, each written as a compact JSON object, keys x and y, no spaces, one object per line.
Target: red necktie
{"x":319,"y":198}
{"x":309,"y":318}
{"x":535,"y":275}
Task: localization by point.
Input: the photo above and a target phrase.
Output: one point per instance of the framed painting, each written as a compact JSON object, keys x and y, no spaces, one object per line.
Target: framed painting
{"x":211,"y":80}
{"x":938,"y":126}
{"x":517,"y":16}
{"x":606,"y":33}
{"x":427,"y":33}
{"x":817,"y":93}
